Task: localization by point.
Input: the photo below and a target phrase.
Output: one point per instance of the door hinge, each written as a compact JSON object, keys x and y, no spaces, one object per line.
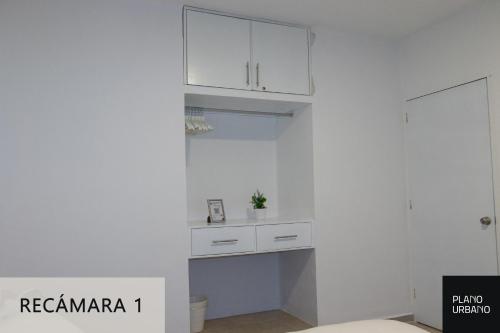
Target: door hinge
{"x":414,"y":293}
{"x":406,"y":117}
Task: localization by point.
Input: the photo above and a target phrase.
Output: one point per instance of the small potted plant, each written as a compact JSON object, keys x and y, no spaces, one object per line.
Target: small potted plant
{"x":259,"y":205}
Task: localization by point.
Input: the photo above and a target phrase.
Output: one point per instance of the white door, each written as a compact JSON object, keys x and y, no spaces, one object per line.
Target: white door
{"x":217,"y":50}
{"x":280,"y":58}
{"x":451,"y":189}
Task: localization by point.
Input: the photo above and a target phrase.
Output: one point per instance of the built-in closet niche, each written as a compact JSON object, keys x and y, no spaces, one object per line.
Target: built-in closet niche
{"x":270,"y":150}
{"x":245,"y":152}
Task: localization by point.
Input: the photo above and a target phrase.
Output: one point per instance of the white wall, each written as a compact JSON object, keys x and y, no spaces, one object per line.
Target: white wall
{"x":294,"y":149}
{"x":295,"y":165}
{"x":361,"y":256}
{"x":462,"y":48}
{"x":237,"y":285}
{"x":92,"y":179}
{"x":92,"y":173}
{"x":231,"y":163}
{"x":298,"y":284}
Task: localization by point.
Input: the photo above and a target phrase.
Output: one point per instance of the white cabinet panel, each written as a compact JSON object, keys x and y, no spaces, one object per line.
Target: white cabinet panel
{"x":275,"y":237}
{"x":217,"y":50}
{"x":280,"y":58}
{"x":223,"y":240}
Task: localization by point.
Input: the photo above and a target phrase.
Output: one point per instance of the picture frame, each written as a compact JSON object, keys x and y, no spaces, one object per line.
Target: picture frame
{"x":216,"y":211}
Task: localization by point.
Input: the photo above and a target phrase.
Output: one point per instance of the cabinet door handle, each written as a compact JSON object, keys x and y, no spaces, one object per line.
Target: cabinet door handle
{"x":287,"y":237}
{"x":257,"y":79}
{"x":248,"y":73}
{"x":224,"y":241}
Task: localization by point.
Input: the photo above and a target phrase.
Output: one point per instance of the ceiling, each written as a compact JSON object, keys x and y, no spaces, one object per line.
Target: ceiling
{"x":386,"y":18}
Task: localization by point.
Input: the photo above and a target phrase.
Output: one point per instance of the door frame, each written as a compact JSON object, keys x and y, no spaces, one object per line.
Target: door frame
{"x":494,"y":123}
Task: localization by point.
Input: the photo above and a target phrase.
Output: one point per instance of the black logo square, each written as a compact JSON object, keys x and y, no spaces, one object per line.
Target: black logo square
{"x":471,"y":304}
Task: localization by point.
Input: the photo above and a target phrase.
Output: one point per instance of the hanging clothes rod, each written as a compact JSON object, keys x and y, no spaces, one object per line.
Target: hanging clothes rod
{"x":244,"y":112}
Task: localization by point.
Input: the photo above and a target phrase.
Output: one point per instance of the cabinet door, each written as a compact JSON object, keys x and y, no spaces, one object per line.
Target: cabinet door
{"x":280,"y":58}
{"x":217,"y":50}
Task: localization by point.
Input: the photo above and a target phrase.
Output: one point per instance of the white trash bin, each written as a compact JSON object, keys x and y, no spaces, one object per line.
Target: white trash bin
{"x":198,"y":310}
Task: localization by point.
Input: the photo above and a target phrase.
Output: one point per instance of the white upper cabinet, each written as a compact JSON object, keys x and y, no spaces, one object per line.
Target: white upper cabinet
{"x":240,"y":53}
{"x":217,"y":50}
{"x":281,"y":58}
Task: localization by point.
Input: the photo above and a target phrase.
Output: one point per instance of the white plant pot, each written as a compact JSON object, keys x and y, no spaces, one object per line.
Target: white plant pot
{"x":260,"y":214}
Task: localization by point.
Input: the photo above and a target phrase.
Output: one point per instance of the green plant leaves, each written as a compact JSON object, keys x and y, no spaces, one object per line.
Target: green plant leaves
{"x":258,"y":200}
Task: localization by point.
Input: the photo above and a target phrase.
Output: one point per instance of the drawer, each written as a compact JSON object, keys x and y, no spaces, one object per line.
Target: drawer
{"x":222,"y":240}
{"x":274,"y":237}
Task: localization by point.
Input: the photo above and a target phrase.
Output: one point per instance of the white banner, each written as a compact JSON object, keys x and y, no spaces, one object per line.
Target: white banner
{"x":82,"y":305}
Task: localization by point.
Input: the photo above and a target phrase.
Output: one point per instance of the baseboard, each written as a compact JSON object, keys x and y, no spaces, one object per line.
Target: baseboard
{"x":405,"y":317}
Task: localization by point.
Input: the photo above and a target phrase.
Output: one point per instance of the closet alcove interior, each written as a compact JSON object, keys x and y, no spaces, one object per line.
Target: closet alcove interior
{"x":256,"y":143}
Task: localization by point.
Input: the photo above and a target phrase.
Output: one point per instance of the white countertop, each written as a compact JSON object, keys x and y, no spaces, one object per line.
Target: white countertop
{"x":247,"y":222}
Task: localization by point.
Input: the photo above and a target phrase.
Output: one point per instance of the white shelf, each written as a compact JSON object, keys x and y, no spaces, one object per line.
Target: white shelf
{"x":247,"y":222}
{"x":244,"y":100}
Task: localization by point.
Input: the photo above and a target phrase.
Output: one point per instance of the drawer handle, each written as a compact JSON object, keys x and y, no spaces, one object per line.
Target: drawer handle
{"x":224,"y":242}
{"x":248,"y":73}
{"x":287,"y":237}
{"x":257,"y":69}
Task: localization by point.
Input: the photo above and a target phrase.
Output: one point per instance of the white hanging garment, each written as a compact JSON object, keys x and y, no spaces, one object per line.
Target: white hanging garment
{"x":195,"y":122}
